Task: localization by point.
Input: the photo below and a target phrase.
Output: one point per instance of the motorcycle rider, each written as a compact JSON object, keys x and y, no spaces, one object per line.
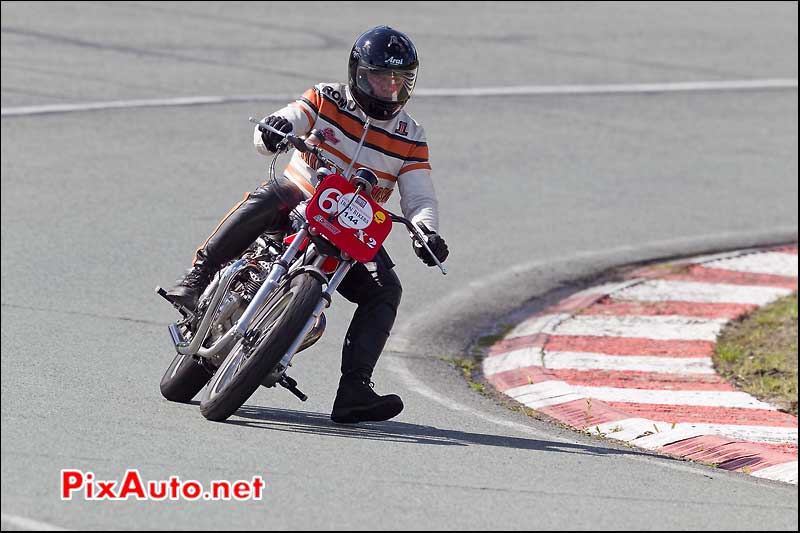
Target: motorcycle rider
{"x":382,"y":69}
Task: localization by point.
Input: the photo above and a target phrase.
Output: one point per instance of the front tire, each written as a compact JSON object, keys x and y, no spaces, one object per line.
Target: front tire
{"x":280,"y":322}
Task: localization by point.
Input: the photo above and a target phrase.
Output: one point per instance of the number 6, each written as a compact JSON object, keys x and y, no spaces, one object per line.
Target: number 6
{"x":329,"y":200}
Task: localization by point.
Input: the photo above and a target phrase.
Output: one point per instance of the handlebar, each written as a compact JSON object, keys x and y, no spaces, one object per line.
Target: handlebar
{"x":308,"y":144}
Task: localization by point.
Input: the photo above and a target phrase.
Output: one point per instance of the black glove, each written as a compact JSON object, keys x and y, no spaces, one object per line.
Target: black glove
{"x":435,"y":243}
{"x":270,"y":138}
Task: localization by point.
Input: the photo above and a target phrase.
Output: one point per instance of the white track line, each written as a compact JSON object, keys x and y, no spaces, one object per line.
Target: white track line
{"x":629,"y":363}
{"x":771,"y":434}
{"x":731,"y":399}
{"x":668,"y":327}
{"x":525,"y":90}
{"x":557,"y":392}
{"x":631,"y":428}
{"x":537,"y":324}
{"x":528,"y":90}
{"x":544,"y":394}
{"x":512,"y":360}
{"x":532,"y":356}
{"x":784,"y":472}
{"x":691,"y":291}
{"x":133,"y":104}
{"x":28,"y":524}
{"x":776,"y":263}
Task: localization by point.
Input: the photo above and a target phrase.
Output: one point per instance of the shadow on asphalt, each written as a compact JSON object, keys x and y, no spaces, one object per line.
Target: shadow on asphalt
{"x":306,"y":422}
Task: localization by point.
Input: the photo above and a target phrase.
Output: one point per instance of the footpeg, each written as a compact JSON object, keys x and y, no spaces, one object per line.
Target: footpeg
{"x":181,"y":309}
{"x":291,"y":385}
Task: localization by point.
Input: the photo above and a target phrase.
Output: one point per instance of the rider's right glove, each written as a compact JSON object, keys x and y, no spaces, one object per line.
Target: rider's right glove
{"x":271,"y":139}
{"x":435,"y":243}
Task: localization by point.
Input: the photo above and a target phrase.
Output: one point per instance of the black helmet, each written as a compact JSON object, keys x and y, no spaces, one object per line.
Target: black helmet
{"x":382,"y":72}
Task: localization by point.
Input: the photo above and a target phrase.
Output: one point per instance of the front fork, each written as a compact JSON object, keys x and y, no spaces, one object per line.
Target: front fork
{"x":325,"y":301}
{"x":278,"y":373}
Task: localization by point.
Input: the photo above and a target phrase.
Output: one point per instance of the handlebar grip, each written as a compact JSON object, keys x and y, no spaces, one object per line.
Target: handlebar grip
{"x":298,"y":143}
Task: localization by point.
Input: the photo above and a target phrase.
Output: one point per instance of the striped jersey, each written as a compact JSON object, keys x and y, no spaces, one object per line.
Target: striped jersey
{"x":396,"y":150}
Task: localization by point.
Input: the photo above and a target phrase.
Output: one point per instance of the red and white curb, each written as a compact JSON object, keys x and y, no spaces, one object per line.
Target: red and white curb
{"x":633,"y":361}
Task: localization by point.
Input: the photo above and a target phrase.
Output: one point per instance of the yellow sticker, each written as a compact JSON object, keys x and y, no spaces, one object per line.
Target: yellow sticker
{"x":380,"y":218}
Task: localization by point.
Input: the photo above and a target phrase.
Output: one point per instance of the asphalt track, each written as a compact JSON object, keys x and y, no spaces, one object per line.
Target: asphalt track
{"x":536,"y":193}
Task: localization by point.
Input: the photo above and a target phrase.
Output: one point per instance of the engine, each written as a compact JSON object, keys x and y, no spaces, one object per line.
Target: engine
{"x":251,"y":280}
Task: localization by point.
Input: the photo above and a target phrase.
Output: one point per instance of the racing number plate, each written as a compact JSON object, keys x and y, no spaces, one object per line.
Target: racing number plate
{"x":358,"y":230}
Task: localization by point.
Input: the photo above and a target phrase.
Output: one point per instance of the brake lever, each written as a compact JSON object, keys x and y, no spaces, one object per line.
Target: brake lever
{"x":416,"y":234}
{"x":424,"y":240}
{"x":267,"y":126}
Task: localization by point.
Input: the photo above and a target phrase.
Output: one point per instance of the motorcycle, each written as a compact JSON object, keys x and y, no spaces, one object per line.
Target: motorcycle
{"x":265,"y":307}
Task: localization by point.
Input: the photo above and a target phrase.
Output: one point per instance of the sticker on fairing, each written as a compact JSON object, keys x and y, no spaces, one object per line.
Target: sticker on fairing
{"x":327,"y":225}
{"x":359,"y":213}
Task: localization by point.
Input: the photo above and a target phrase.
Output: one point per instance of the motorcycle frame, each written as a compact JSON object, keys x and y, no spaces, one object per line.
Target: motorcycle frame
{"x":278,"y":270}
{"x":286,"y":264}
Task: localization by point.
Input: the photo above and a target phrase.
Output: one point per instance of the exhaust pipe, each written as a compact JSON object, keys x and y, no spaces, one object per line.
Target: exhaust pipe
{"x":191,"y":348}
{"x":315,"y":334}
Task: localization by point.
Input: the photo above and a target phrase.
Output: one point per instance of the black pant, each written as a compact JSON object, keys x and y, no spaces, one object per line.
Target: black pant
{"x":373,"y":286}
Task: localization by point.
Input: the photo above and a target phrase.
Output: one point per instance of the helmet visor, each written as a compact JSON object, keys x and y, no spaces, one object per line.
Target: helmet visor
{"x":386,"y":85}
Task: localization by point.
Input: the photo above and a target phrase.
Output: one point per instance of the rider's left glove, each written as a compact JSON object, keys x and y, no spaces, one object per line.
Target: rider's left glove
{"x":271,"y":139}
{"x":435,"y":243}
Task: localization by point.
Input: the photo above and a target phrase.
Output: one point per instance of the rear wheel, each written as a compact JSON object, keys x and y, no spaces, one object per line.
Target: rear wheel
{"x":184,"y":378}
{"x":249,"y":362}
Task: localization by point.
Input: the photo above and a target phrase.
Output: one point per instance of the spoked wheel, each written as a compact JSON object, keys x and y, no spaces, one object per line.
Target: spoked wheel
{"x":252,"y":358}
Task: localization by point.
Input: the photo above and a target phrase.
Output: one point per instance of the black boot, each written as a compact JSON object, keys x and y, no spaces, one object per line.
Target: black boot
{"x":188,"y":290}
{"x":357,"y":402}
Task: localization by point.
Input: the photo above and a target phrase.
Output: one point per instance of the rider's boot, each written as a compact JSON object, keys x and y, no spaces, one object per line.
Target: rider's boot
{"x":188,"y":290}
{"x":357,"y":402}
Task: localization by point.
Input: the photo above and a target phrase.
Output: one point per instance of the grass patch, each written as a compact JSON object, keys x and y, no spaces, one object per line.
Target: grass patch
{"x":467,"y":367}
{"x":759,"y":354}
{"x":470,"y":365}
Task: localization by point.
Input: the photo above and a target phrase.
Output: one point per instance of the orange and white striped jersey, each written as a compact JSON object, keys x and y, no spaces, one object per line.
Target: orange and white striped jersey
{"x":396,"y":150}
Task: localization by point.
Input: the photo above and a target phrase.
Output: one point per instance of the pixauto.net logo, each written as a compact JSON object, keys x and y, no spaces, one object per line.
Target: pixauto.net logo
{"x":84,"y":485}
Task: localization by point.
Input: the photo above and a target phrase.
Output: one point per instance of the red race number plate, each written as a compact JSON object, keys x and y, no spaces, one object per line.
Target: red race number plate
{"x":357,"y":226}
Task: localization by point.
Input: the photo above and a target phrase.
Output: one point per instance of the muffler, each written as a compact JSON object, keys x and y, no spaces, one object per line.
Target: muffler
{"x":315,"y":334}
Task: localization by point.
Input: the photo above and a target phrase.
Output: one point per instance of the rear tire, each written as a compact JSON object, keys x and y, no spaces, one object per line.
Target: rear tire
{"x":184,"y":378}
{"x":281,"y":321}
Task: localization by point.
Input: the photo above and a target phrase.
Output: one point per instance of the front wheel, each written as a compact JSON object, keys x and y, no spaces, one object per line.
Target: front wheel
{"x":279,"y":323}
